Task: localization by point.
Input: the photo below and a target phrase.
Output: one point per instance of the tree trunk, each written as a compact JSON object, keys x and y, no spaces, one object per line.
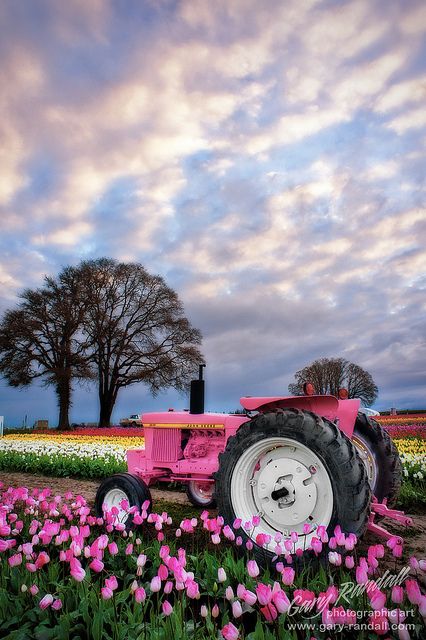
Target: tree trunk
{"x":107,"y":401}
{"x":63,"y":391}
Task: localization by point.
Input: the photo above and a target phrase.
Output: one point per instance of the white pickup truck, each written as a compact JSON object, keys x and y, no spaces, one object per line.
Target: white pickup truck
{"x":134,"y":420}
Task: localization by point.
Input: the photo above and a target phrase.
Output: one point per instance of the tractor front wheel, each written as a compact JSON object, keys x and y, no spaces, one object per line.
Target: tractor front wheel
{"x":122,"y":486}
{"x":380,"y":457}
{"x":200,"y":493}
{"x":295,"y":471}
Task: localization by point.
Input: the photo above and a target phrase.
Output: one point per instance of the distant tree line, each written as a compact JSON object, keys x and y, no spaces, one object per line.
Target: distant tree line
{"x":103,"y":321}
{"x":328,"y":375}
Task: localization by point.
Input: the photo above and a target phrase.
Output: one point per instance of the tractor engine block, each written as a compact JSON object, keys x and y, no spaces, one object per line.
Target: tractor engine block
{"x":203,"y":443}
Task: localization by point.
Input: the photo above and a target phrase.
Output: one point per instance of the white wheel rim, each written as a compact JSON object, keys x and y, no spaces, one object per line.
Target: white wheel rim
{"x":272,"y":464}
{"x":202,"y":491}
{"x":368,"y":459}
{"x":113,"y":498}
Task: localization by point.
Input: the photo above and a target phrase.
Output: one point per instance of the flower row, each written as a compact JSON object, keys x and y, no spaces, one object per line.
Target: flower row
{"x":68,"y":571}
{"x":125,"y":442}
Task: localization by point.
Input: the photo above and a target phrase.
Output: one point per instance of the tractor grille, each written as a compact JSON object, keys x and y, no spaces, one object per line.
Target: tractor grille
{"x":167,"y":445}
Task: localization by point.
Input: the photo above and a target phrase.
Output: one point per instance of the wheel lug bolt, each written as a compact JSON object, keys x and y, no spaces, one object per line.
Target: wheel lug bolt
{"x":312,"y":469}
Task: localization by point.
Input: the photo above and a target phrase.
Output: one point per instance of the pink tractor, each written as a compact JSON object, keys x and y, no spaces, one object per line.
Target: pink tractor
{"x":295,"y":462}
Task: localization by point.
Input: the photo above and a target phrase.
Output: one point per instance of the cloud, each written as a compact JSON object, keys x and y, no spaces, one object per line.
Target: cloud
{"x":266,"y":159}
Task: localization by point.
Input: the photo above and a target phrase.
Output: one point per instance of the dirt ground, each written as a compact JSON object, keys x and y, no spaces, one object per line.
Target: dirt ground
{"x":415,"y":536}
{"x":85,"y":488}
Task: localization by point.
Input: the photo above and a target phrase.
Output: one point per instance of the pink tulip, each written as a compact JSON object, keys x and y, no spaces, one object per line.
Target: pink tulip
{"x":111,"y":583}
{"x":288,"y":576}
{"x":422,"y":607}
{"x":397,"y":595}
{"x":203,"y":611}
{"x":155,"y":584}
{"x":230,"y":632}
{"x":280,"y":600}
{"x":332,"y":594}
{"x":215,"y":611}
{"x":316,"y":545}
{"x":229,"y":593}
{"x":303,"y":596}
{"x":57,"y":604}
{"x":396,"y":616}
{"x":379,"y":623}
{"x":228,"y":533}
{"x":77,"y":571}
{"x":237,"y":610}
{"x":413,"y":591}
{"x":361,"y":575}
{"x":270,"y":612}
{"x":140,"y":594}
{"x":46,"y":601}
{"x":15,"y":560}
{"x":192,"y":589}
{"x":27,"y":548}
{"x":221,"y":574}
{"x":112,"y":548}
{"x":33,"y":589}
{"x":403,"y":633}
{"x":378,"y":600}
{"x":252,"y":568}
{"x":141,"y":560}
{"x":162,"y":572}
{"x":167,"y":608}
{"x":264,"y":593}
{"x":349,"y":562}
{"x":335,"y":558}
{"x":106,"y":593}
{"x":96,"y":565}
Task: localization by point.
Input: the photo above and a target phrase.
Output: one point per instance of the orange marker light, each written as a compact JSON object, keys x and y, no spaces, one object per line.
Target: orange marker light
{"x":308,"y":389}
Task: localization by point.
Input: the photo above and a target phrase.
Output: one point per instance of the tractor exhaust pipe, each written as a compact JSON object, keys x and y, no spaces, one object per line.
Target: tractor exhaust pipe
{"x":196,"y":398}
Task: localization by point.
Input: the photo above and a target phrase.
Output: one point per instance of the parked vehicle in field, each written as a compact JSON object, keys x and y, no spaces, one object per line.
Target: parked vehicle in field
{"x":134,"y":420}
{"x":369,"y":412}
{"x":295,"y":462}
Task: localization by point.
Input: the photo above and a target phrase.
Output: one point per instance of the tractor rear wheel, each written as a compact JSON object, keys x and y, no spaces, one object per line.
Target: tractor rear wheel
{"x":200,"y":493}
{"x":122,"y":486}
{"x":380,"y":457}
{"x":295,"y":471}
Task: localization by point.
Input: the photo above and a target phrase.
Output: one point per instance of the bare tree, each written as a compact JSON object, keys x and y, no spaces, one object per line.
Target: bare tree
{"x":137,"y":330}
{"x":328,"y":375}
{"x":41,"y":338}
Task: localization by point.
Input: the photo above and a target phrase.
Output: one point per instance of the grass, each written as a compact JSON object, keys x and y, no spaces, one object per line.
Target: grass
{"x":412,"y":497}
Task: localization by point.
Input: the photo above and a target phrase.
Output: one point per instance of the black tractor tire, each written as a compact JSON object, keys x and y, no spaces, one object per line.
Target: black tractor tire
{"x":386,"y":480}
{"x":135,"y":489}
{"x":195,"y":497}
{"x":351,"y":493}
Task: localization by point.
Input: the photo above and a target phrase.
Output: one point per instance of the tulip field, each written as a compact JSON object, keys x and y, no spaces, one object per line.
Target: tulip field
{"x":66,"y":573}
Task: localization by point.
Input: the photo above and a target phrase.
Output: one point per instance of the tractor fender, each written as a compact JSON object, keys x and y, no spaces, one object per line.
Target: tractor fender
{"x":325,"y":406}
{"x":344,"y":411}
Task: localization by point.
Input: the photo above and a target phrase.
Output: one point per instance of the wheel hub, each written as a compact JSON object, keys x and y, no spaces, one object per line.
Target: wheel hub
{"x":293,"y":495}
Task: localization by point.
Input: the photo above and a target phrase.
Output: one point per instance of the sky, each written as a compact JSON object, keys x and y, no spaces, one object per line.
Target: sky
{"x":267,"y":158}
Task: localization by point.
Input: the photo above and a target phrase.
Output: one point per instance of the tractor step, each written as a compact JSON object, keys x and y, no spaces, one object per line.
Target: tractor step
{"x":381,"y":509}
